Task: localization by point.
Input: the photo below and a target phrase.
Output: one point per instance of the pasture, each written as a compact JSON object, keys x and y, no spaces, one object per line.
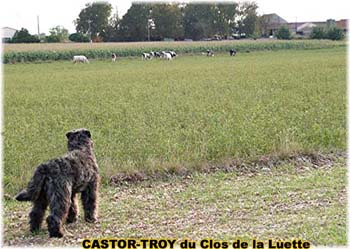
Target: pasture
{"x":17,"y":53}
{"x":162,"y":118}
{"x":159,"y":117}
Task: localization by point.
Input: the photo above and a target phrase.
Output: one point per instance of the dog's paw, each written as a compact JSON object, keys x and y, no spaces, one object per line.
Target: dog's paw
{"x":91,"y":219}
{"x":56,"y":234}
{"x":35,"y":230}
{"x":23,"y":196}
{"x":71,"y":219}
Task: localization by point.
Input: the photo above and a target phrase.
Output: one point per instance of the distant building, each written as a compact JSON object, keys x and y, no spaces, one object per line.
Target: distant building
{"x":342,"y":24}
{"x":272,"y":22}
{"x":7,"y":33}
{"x":304,"y":28}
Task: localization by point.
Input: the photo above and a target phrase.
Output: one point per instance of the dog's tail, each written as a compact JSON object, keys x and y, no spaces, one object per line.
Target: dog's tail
{"x":32,"y":192}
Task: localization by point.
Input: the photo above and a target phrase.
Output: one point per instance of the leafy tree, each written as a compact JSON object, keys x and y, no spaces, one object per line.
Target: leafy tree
{"x":331,"y":32}
{"x":110,"y":33}
{"x":133,"y":26}
{"x":52,"y":38}
{"x":335,"y":33}
{"x":78,"y":37}
{"x":248,"y":21}
{"x":57,"y":34}
{"x":199,"y":21}
{"x":93,"y":19}
{"x":225,"y":15}
{"x":207,"y":20}
{"x":23,"y":36}
{"x":283,"y":33}
{"x":168,"y":21}
{"x":318,"y":33}
{"x":60,"y":32}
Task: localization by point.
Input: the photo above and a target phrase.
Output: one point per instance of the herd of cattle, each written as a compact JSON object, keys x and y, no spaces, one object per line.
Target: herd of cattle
{"x":167,"y":55}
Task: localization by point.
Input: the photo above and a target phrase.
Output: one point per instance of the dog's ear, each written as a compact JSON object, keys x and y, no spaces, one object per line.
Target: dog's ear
{"x":87,"y":133}
{"x":69,"y":134}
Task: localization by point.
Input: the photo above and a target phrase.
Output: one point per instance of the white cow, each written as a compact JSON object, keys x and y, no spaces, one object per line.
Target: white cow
{"x":167,"y":56}
{"x":172,"y":53}
{"x":114,"y":57}
{"x":80,"y":58}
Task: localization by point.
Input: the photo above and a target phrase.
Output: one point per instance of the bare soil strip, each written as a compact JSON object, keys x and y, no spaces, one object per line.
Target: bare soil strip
{"x":302,"y":161}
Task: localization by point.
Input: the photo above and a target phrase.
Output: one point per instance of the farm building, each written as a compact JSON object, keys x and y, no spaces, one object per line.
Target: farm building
{"x":272,"y":22}
{"x":7,"y":33}
{"x":343,"y":24}
{"x":304,"y":28}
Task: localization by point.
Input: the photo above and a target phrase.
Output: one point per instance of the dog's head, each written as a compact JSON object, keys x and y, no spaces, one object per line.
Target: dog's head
{"x":79,"y":139}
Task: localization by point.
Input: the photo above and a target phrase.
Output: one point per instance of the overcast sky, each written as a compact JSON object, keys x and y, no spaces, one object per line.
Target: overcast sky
{"x":21,"y":13}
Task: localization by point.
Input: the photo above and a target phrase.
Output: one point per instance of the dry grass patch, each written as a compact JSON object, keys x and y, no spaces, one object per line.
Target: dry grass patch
{"x":282,"y":203}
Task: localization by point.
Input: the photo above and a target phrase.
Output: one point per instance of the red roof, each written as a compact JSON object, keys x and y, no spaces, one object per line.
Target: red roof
{"x":342,"y":24}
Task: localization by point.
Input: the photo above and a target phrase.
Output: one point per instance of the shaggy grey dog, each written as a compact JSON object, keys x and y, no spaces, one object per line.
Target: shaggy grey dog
{"x":57,"y":182}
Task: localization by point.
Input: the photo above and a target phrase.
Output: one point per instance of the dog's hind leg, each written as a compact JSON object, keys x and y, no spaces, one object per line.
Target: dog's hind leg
{"x":73,"y":210}
{"x":38,"y":211}
{"x":60,"y":202}
{"x":89,"y":199}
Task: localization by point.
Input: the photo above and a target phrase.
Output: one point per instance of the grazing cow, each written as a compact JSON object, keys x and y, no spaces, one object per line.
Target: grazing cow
{"x":146,"y":56}
{"x":80,"y":58}
{"x":114,"y":57}
{"x":172,"y":53}
{"x":167,"y":56}
{"x":210,"y":52}
{"x":232,"y":52}
{"x":157,"y":54}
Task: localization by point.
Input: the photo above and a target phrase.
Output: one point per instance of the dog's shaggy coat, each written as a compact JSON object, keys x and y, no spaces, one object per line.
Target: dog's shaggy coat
{"x":56,"y":183}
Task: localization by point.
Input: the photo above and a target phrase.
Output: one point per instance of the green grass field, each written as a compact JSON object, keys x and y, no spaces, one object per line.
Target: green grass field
{"x":163,"y":118}
{"x":159,"y":117}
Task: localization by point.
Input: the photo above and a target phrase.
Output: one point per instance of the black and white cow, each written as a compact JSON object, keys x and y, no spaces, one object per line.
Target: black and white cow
{"x":146,"y":56}
{"x":210,"y":52}
{"x":232,"y":52}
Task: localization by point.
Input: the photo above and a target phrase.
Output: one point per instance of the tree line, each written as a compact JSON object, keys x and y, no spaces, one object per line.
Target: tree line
{"x":165,"y":21}
{"x":150,"y":21}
